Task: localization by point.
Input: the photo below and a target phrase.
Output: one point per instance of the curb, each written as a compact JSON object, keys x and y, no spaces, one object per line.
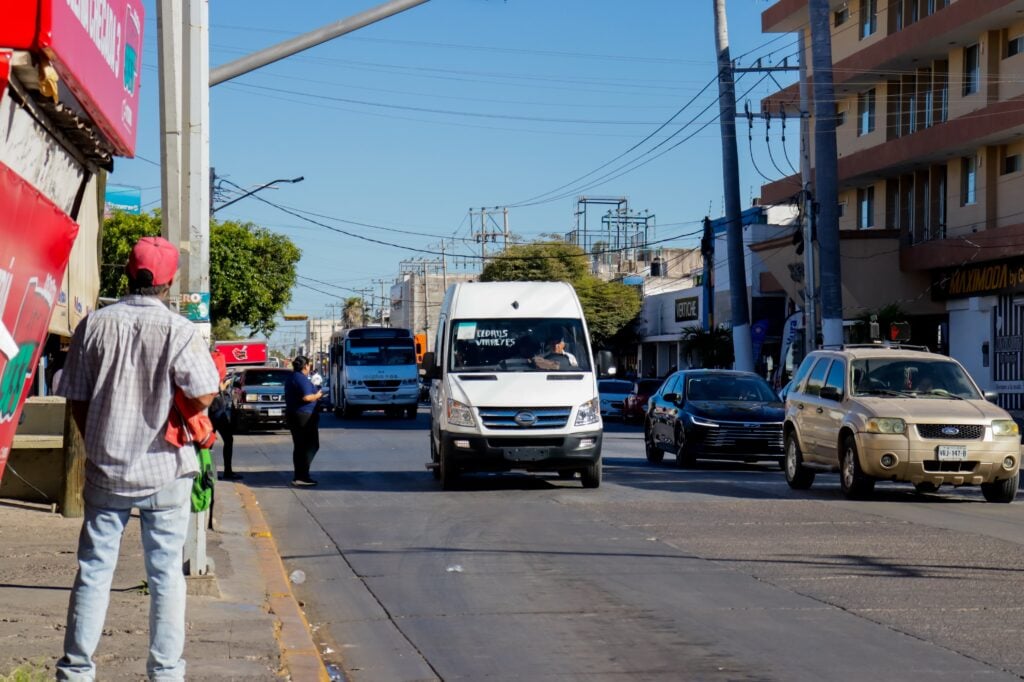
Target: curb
{"x":299,"y":655}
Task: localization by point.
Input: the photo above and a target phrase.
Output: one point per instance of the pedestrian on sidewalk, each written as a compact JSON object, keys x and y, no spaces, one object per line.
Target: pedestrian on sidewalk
{"x":300,"y":411}
{"x":220,"y":415}
{"x":124,"y":365}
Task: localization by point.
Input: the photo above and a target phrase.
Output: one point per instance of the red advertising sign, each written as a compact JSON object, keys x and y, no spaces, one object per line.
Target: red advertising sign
{"x":96,"y":47}
{"x":35,"y":243}
{"x":243,"y":353}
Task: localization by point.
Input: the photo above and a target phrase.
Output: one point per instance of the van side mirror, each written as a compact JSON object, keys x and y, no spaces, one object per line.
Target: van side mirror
{"x":605,"y":363}
{"x":430,"y":368}
{"x":991,"y":396}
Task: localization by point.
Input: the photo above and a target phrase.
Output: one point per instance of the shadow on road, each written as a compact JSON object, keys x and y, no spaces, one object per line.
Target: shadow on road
{"x":408,"y":481}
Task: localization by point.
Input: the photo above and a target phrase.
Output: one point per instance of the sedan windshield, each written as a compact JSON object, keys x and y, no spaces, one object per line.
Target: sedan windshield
{"x":519,"y":345}
{"x":730,"y":387}
{"x":917,"y":378}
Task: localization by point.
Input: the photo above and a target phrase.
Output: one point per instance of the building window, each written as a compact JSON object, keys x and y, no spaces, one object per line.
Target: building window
{"x":972,"y":69}
{"x":868,"y":18}
{"x":866,"y":112}
{"x":841,"y":211}
{"x":1011,"y":164}
{"x":1015,"y":46}
{"x":865,"y":207}
{"x":968,"y":180}
{"x":842,"y":15}
{"x":929,"y":108}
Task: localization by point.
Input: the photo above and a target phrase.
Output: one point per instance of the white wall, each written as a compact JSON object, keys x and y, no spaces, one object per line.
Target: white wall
{"x":970,"y":325}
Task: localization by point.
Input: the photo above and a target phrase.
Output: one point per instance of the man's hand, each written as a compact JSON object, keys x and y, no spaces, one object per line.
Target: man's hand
{"x":200,"y":403}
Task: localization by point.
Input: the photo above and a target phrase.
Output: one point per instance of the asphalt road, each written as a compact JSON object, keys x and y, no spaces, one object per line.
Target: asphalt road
{"x":714,"y":573}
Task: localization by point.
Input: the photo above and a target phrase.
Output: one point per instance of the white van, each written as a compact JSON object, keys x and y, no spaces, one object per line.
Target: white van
{"x":514,"y":383}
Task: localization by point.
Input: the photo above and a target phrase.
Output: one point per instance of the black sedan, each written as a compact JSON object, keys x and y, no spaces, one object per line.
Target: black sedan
{"x":714,"y":414}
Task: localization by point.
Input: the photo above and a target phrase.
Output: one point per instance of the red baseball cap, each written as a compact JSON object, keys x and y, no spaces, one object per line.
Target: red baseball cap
{"x":157,"y":255}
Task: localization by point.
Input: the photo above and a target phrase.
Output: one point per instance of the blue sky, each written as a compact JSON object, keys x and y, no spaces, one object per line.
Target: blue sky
{"x":408,"y":123}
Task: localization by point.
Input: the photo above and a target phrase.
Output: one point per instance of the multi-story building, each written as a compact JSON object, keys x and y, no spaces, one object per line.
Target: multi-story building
{"x":930,"y":130}
{"x":416,"y":298}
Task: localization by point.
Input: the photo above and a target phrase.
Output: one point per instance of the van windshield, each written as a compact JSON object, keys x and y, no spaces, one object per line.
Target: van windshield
{"x":519,"y":345}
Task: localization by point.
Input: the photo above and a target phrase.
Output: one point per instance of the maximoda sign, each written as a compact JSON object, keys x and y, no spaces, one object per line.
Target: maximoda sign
{"x":96,"y":48}
{"x":979,"y":279}
{"x":35,"y":243}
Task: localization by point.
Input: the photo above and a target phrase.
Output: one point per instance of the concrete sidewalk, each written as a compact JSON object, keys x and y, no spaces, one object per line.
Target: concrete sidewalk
{"x":254,"y":629}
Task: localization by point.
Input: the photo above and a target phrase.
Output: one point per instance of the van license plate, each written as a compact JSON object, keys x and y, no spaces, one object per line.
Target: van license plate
{"x":275,"y":413}
{"x":952,"y":453}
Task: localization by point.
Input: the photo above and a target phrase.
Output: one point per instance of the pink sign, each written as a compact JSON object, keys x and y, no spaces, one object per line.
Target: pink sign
{"x":96,"y":47}
{"x":35,"y":243}
{"x":242,"y":353}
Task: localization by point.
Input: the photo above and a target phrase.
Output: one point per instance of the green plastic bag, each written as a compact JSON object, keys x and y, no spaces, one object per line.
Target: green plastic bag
{"x":202,"y":484}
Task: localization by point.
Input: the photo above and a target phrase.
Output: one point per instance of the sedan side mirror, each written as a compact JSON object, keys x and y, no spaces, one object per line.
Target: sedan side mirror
{"x":674,"y":398}
{"x":992,"y":396}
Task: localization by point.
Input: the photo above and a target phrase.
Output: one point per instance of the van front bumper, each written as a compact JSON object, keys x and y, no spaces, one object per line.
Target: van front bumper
{"x":531,"y":453}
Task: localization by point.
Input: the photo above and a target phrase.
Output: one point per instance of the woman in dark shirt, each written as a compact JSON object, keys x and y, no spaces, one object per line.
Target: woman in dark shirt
{"x":301,"y":396}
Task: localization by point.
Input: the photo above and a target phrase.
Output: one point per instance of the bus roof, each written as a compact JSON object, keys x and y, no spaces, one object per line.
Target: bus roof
{"x":372,"y":333}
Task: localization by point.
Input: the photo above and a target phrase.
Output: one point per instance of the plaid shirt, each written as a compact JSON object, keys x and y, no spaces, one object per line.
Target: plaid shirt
{"x":125,"y":360}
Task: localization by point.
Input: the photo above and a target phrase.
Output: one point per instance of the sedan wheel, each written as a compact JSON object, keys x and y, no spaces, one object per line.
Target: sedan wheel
{"x":654,"y":454}
{"x":684,"y":455}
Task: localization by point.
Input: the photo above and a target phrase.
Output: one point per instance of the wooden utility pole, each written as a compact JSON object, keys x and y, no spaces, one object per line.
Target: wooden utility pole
{"x":744,"y":355}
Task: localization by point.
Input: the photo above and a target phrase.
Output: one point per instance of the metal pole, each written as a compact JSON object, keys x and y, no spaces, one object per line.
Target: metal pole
{"x":483,"y":236}
{"x":826,"y":174}
{"x":810,"y":275}
{"x":169,"y":44}
{"x":308,"y":40}
{"x":744,"y":356}
{"x":504,"y":244}
{"x":253,"y":191}
{"x":444,"y":267}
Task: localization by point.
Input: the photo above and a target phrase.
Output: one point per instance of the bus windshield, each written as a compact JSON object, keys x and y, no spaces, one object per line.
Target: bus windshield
{"x":519,"y":345}
{"x":376,"y":352}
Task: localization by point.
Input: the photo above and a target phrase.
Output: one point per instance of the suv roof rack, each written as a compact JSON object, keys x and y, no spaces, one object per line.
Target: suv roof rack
{"x":887,"y":344}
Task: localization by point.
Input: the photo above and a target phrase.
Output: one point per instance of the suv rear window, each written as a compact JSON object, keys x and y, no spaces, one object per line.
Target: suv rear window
{"x":817,"y":379}
{"x":268,"y":377}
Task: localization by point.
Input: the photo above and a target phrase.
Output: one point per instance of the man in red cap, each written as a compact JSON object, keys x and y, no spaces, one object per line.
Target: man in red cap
{"x":125,"y":363}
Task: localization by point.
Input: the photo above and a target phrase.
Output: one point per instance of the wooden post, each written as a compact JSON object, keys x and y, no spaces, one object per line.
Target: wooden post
{"x":72,"y":503}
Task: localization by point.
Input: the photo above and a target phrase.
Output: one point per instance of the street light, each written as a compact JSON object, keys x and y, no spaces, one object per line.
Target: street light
{"x":253,"y":191}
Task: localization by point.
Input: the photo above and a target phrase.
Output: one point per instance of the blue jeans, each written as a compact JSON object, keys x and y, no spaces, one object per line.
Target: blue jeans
{"x":165,"y":516}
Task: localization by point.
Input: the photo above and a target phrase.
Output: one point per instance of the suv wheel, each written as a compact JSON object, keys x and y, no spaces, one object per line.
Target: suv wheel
{"x":798,"y":476}
{"x":654,"y":454}
{"x":1001,"y":491}
{"x":853,"y":481}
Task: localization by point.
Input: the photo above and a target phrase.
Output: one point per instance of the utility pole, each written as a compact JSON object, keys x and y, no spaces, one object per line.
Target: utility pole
{"x":426,"y":301}
{"x":483,"y":236}
{"x":169,"y":44}
{"x":504,"y":243}
{"x":384,"y":301}
{"x":741,"y":341}
{"x":444,"y":265}
{"x":826,"y":174}
{"x":806,"y":181}
{"x":707,"y":250}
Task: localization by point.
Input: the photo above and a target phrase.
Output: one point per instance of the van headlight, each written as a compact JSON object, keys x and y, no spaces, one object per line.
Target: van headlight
{"x":589,"y":412}
{"x":459,"y":414}
{"x":353,"y":382}
{"x":886,"y":425}
{"x":1005,"y":427}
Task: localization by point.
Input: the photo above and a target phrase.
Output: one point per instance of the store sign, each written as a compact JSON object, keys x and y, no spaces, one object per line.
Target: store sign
{"x":195,"y":306}
{"x":687,"y":309}
{"x":125,"y":199}
{"x":35,"y":243}
{"x":981,"y":279}
{"x":254,"y":353}
{"x":96,"y":48}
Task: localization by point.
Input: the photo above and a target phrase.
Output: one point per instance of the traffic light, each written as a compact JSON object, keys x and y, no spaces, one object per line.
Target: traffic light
{"x":899,"y":331}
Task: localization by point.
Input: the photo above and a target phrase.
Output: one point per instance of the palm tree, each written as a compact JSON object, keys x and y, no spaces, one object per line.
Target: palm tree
{"x":711,"y":349}
{"x":352,"y":315}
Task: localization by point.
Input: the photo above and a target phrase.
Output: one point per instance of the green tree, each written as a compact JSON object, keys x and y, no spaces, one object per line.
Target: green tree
{"x":709,"y":349}
{"x":252,"y":270}
{"x":120,"y":232}
{"x":538,"y":262}
{"x":611,"y":308}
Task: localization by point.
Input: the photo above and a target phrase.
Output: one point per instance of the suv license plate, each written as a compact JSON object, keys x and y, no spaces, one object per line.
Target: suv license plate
{"x":952,"y":453}
{"x":275,"y":413}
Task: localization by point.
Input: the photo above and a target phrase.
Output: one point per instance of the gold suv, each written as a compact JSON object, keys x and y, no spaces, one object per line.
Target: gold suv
{"x":877,"y":413}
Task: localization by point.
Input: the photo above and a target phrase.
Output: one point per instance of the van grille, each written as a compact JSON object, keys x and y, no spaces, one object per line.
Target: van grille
{"x":543,"y":417}
{"x":963,"y":431}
